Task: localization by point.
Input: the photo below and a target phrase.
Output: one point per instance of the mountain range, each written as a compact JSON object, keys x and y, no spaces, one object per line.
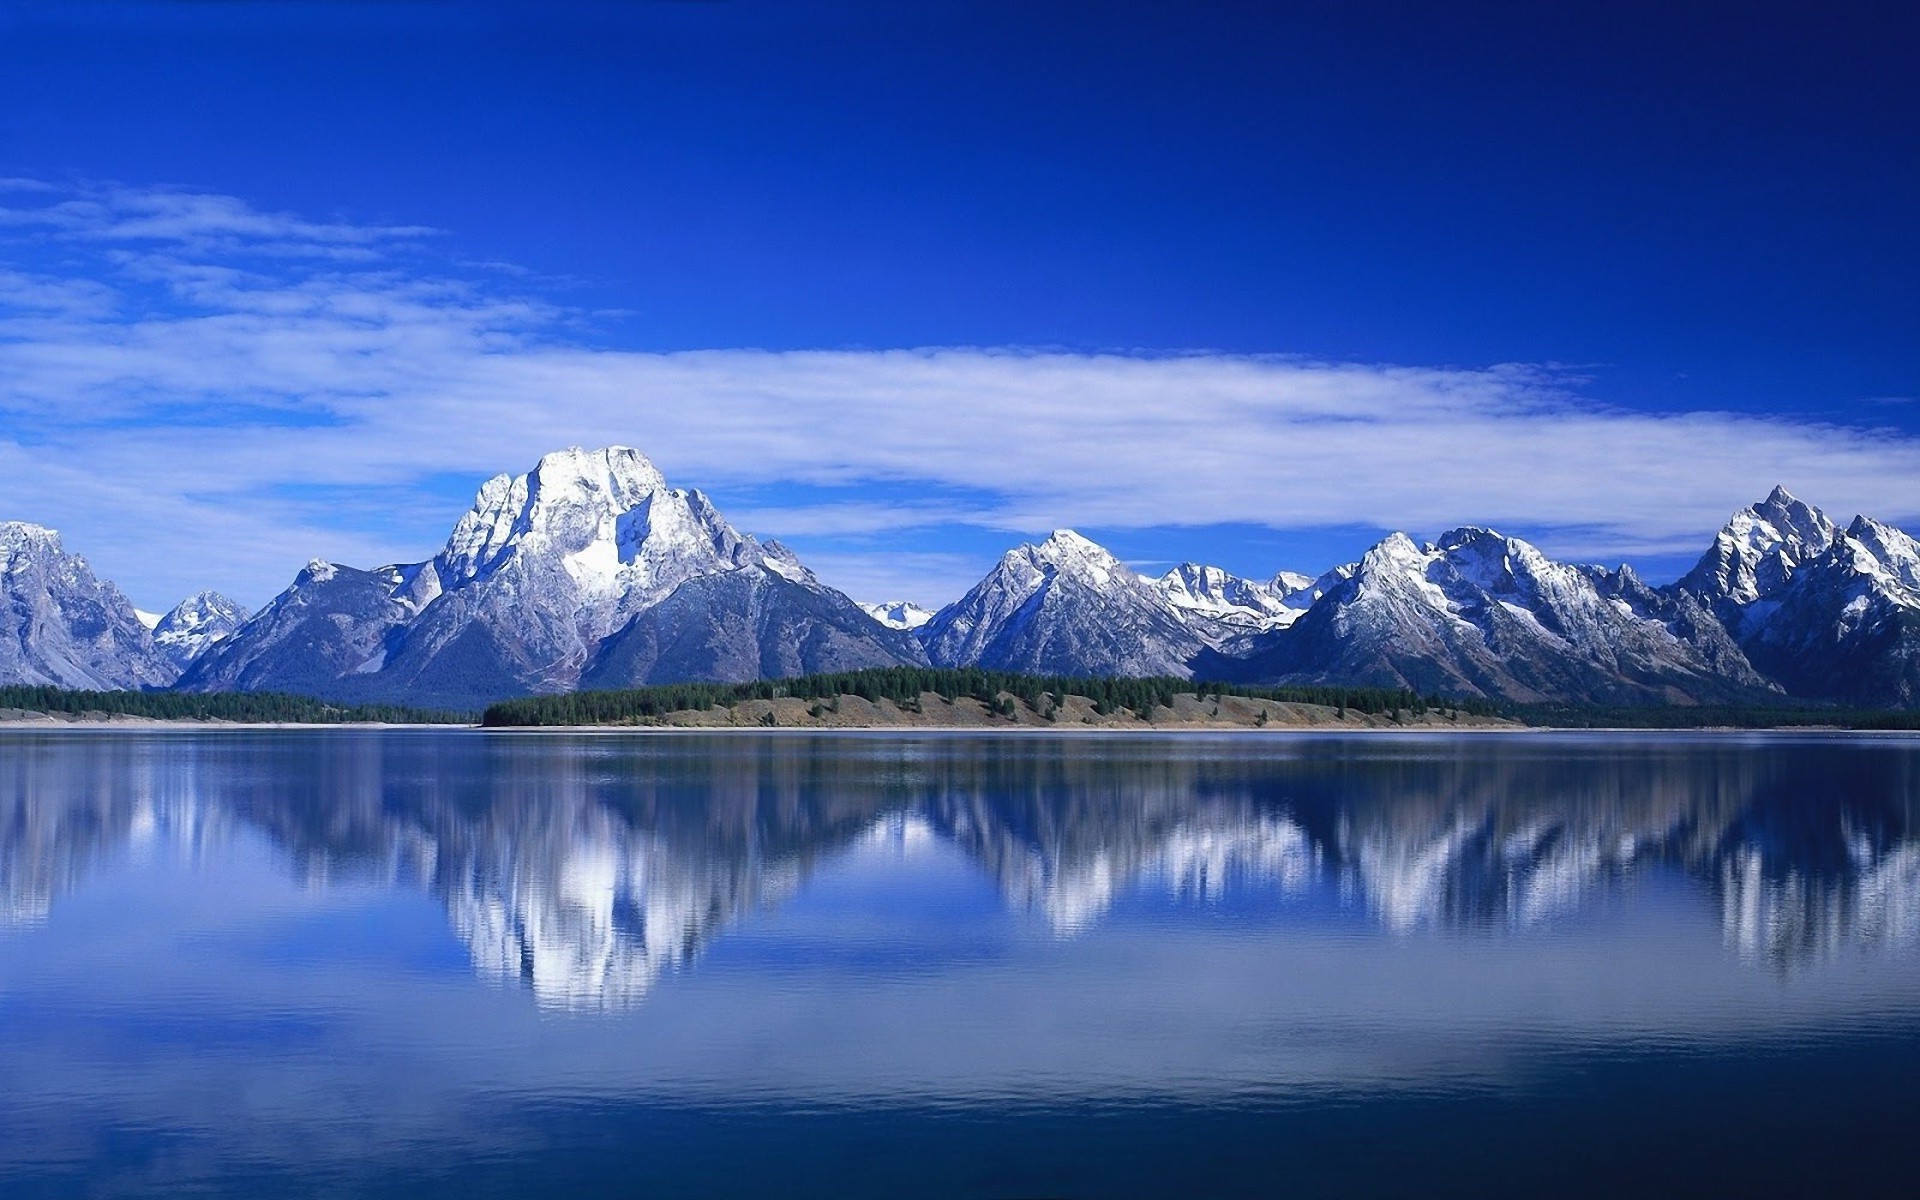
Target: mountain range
{"x":590,"y":571}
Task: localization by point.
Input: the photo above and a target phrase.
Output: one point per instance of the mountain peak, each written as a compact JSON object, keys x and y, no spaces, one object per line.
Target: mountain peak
{"x":1068,"y":542}
{"x":622,"y":471}
{"x":1760,"y":548}
{"x":196,"y":624}
{"x":22,"y":535}
{"x":899,"y":614}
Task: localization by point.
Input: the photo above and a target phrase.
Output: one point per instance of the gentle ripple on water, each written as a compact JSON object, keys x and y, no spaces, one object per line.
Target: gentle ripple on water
{"x":411,"y":962}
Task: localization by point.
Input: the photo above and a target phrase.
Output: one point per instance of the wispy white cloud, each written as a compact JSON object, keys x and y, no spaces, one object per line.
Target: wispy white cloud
{"x":189,"y":383}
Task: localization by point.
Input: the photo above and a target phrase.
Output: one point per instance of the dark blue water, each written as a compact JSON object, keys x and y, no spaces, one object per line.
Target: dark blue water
{"x":452,"y":963}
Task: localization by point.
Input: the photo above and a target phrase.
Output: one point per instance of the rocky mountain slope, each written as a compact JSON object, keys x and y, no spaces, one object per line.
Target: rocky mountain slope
{"x":1222,"y":606}
{"x":63,"y":627}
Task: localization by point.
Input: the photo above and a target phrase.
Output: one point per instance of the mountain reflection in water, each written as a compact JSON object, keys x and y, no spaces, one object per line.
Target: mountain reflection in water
{"x":591,"y":866}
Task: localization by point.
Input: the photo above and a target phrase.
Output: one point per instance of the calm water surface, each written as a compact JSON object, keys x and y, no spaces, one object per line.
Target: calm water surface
{"x":453,"y":963}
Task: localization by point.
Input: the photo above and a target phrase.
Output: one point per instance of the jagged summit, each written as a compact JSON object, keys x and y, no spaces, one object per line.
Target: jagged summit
{"x":1831,"y":613}
{"x":23,"y":535}
{"x":1481,"y":613}
{"x":1759,"y":549}
{"x":1223,"y":605}
{"x":1063,"y":606}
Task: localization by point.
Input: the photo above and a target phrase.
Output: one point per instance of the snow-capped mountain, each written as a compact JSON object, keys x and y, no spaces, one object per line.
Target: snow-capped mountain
{"x":536,"y":585}
{"x":1481,"y":614}
{"x":1222,"y":606}
{"x":590,"y":571}
{"x":195,"y":624}
{"x":63,"y":627}
{"x":898,"y":614}
{"x":1831,"y":613}
{"x":1065,"y":606}
{"x":1758,"y":550}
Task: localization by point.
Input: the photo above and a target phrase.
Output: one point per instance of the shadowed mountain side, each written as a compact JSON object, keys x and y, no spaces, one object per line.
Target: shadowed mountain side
{"x":744,"y":625}
{"x":314,"y":638}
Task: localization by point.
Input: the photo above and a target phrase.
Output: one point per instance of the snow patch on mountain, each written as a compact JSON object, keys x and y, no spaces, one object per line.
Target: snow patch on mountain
{"x":1223,"y":605}
{"x":196,"y":624}
{"x":898,"y":614}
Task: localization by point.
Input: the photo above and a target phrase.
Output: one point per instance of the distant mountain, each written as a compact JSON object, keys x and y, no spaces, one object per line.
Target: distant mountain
{"x":1222,"y":606}
{"x":898,"y":614}
{"x":195,"y":625}
{"x":1830,"y":613}
{"x":63,"y":627}
{"x":1481,"y":614}
{"x":536,"y":582}
{"x":1065,"y":606}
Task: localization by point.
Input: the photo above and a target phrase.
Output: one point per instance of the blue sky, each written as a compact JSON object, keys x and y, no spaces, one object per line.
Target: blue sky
{"x":1243,"y":283}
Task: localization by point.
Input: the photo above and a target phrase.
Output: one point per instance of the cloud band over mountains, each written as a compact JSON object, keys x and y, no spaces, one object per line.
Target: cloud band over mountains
{"x":202,"y":393}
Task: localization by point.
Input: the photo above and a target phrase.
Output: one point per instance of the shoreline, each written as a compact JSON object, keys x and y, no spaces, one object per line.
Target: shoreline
{"x":64,"y":724}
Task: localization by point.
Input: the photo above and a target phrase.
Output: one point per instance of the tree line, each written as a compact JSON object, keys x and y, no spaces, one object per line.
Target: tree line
{"x":263,"y":707}
{"x":998,"y":690}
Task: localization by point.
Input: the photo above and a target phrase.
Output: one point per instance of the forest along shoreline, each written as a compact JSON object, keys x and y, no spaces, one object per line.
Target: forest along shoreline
{"x":933,"y":711}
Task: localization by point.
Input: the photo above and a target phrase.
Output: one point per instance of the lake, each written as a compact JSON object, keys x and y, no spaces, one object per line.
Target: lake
{"x":447,"y":962}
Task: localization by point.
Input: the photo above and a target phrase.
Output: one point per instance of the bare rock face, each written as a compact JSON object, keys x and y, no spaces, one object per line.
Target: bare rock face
{"x":1480,"y":614}
{"x":533,"y":582}
{"x":1064,"y":607}
{"x":65,"y":628}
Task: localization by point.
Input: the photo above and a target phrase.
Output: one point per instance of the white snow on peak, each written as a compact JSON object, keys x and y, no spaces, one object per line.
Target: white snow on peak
{"x":18,"y":536}
{"x":1214,"y":594}
{"x":149,"y":619}
{"x":1396,"y":550}
{"x":196,"y":624}
{"x":606,"y":520}
{"x":1066,"y":550}
{"x":1761,"y":547}
{"x":898,"y":614}
{"x":319,"y":570}
{"x":1893,"y":552}
{"x":1287,"y":583}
